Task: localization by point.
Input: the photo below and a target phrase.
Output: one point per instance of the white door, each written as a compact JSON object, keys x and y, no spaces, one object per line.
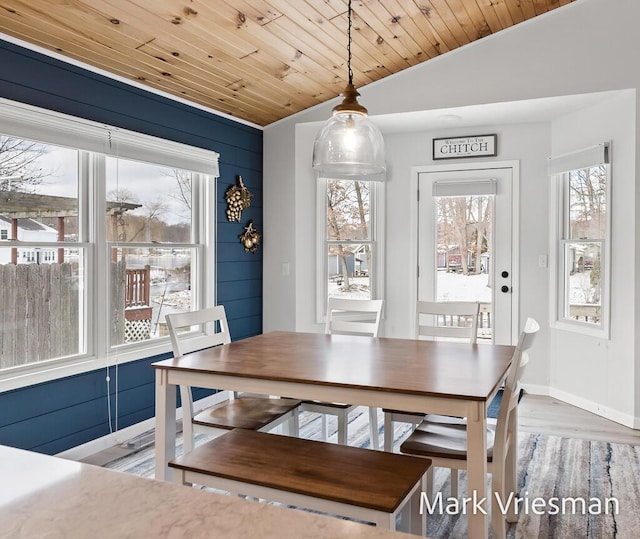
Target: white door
{"x":466,"y":248}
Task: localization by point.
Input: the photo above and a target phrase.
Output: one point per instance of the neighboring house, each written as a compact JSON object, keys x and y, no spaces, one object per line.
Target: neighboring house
{"x":28,"y":230}
{"x":356,"y":259}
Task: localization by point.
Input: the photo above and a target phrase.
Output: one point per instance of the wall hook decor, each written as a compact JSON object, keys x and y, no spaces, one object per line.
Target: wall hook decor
{"x":238,"y":198}
{"x":250,"y":238}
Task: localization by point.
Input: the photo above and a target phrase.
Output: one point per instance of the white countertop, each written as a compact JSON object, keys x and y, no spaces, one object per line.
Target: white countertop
{"x":49,"y":497}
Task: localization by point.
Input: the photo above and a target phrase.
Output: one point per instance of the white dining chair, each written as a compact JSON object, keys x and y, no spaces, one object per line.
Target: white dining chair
{"x":348,"y":317}
{"x":446,"y":444}
{"x":246,"y":411}
{"x":449,"y":320}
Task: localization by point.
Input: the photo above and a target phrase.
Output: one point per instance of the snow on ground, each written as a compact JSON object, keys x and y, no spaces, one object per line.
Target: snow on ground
{"x":451,"y":287}
{"x":359,"y":289}
{"x":458,"y":287}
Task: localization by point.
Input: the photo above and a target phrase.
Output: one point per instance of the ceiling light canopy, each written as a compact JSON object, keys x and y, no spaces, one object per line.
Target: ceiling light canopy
{"x":349,"y":146}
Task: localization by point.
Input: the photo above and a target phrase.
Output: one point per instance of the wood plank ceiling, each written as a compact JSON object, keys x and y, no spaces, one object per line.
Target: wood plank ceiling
{"x":258,"y":60}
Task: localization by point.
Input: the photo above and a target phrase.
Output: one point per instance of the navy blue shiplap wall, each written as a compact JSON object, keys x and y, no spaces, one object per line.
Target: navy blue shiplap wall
{"x":54,"y":416}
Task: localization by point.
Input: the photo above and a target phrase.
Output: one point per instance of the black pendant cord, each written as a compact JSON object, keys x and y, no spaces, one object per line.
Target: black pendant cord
{"x":349,"y":44}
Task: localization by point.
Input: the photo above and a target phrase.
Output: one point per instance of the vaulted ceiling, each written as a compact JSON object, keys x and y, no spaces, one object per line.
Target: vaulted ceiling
{"x":258,"y":60}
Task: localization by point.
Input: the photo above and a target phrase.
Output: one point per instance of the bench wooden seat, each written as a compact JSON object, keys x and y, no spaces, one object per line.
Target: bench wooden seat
{"x":368,"y":485}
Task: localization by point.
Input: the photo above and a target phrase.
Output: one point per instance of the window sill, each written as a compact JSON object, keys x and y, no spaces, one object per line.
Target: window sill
{"x":581,"y":328}
{"x":40,"y":373}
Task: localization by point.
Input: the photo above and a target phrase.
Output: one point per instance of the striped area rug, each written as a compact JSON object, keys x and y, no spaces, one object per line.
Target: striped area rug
{"x":563,"y":472}
{"x":550,"y":468}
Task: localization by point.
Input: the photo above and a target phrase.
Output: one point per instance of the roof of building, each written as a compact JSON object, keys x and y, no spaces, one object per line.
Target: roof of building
{"x":17,"y":205}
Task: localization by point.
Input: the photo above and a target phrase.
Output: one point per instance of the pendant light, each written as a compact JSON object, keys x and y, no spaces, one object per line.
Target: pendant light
{"x":349,"y":146}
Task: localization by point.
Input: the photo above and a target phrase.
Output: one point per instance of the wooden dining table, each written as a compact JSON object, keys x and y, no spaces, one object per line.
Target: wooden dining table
{"x":454,"y":379}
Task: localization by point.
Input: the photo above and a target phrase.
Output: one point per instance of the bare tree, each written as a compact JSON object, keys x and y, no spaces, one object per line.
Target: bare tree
{"x":130,"y":226}
{"x":19,"y":167}
{"x":464,"y":223}
{"x":347,"y":211}
{"x":336,"y":195}
{"x":150,"y":222}
{"x":588,"y":212}
{"x":588,"y":202}
{"x":122,"y":195}
{"x":182,"y":192}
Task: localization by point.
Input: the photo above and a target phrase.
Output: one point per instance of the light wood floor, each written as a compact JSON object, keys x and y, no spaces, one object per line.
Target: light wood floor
{"x":537,"y":415}
{"x":546,"y":415}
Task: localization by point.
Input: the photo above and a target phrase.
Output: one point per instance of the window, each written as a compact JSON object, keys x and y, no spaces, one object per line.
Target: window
{"x":153,"y":247}
{"x":75,"y":218}
{"x":582,"y":256}
{"x":350,"y":251}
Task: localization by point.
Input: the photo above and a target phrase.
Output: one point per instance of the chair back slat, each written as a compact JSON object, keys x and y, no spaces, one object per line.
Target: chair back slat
{"x":450,"y":332}
{"x":353,"y":316}
{"x":511,"y":391}
{"x":214,"y":326}
{"x":447,"y":319}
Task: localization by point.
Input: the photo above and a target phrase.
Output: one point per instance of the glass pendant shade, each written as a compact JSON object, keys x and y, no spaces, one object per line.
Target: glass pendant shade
{"x":350,"y":146}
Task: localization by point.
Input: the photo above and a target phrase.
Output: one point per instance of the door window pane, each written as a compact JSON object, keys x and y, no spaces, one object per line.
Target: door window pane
{"x":463,"y":257}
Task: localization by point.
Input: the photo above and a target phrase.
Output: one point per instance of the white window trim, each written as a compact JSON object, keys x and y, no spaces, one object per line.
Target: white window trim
{"x":556,"y":229}
{"x":41,"y":125}
{"x":378,"y":192}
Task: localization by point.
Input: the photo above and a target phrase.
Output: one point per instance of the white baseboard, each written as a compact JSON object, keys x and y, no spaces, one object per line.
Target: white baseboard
{"x":627,"y":420}
{"x":116,"y":438}
{"x":535,"y":389}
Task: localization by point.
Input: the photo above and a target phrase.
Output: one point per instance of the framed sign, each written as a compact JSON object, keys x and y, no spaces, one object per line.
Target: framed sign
{"x":457,"y":147}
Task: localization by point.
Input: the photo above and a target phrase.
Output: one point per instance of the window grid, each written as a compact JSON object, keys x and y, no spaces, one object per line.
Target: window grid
{"x":583,"y":258}
{"x":349,"y":252}
{"x":88,"y":272}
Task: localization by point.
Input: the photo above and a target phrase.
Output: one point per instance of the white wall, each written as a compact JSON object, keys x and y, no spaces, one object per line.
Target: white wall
{"x":589,"y":371}
{"x":530,"y":144}
{"x":587,"y":46}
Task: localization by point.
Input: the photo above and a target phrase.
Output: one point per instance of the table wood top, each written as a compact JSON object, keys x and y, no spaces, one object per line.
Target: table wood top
{"x":408,"y":366}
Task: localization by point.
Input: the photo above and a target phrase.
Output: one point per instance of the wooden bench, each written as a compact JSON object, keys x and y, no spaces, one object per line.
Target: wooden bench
{"x":363,"y":484}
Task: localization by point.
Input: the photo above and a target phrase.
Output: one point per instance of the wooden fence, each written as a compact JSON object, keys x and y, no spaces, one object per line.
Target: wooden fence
{"x":40,"y":310}
{"x":117,"y":294}
{"x":39,"y":306}
{"x":130,"y":303}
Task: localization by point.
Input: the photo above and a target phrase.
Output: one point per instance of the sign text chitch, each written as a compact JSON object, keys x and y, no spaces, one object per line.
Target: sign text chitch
{"x":457,"y":147}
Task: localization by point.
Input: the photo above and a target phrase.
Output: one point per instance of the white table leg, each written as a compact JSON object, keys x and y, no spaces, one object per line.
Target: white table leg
{"x":373,"y":427}
{"x":477,"y":472}
{"x":165,"y":425}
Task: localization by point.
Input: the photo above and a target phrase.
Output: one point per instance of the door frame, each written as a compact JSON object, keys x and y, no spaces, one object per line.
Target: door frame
{"x":514,"y":165}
